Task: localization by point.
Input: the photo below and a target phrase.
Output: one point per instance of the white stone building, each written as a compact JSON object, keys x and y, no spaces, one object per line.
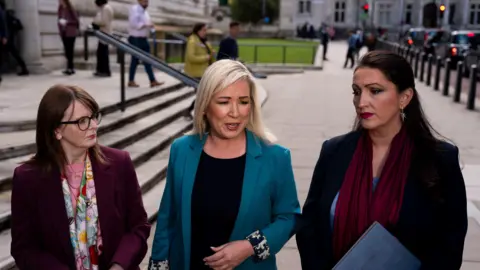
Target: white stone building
{"x":391,"y":14}
{"x":40,"y":43}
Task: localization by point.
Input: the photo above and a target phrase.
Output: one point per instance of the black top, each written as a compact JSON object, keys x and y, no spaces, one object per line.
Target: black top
{"x":228,"y":49}
{"x":434,"y":231}
{"x":216,"y":197}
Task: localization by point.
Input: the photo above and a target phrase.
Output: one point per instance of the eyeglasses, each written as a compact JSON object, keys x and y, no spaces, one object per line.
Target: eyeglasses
{"x":84,"y":122}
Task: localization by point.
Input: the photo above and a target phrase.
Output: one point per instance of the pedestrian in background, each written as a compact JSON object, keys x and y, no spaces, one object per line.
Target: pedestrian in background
{"x":3,"y":37}
{"x":352,"y":48}
{"x":393,"y":168}
{"x":199,"y":54}
{"x":139,"y":27}
{"x":228,"y":48}
{"x":230,"y":199}
{"x":103,"y":21}
{"x":69,"y":29}
{"x":76,"y":204}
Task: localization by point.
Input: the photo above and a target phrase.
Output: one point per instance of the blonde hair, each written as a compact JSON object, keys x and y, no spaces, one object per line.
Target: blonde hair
{"x":216,"y":78}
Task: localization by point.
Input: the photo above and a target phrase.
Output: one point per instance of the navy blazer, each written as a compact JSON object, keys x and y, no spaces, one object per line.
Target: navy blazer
{"x":40,"y":232}
{"x":432,"y":231}
{"x":269,"y":201}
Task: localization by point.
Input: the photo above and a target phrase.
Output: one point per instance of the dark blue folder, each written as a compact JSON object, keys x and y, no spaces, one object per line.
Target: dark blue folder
{"x":377,"y":249}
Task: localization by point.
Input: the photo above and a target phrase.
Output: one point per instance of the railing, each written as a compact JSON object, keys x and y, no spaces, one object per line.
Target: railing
{"x":123,"y":47}
{"x":417,"y":58}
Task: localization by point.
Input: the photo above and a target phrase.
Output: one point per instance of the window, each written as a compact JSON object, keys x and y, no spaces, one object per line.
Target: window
{"x":384,"y":13}
{"x":308,"y":6}
{"x":340,"y":7}
{"x":304,"y":7}
{"x":475,"y":14}
{"x":451,"y":14}
{"x":300,"y":7}
{"x":408,"y":13}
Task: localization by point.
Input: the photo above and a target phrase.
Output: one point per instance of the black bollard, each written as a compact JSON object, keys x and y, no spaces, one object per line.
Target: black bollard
{"x":446,"y":79}
{"x":458,"y":83}
{"x":417,"y":53}
{"x":422,"y":66}
{"x":437,"y":73}
{"x":412,"y":57}
{"x":429,"y":70}
{"x":472,"y":92}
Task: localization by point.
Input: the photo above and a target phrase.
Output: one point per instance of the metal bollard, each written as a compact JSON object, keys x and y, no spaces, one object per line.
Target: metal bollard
{"x":446,"y":79}
{"x":422,"y":66}
{"x":121,"y":61}
{"x":412,"y":57}
{"x":429,"y":70}
{"x":417,"y":53}
{"x":472,"y":92}
{"x":437,"y":73}
{"x":458,"y":83}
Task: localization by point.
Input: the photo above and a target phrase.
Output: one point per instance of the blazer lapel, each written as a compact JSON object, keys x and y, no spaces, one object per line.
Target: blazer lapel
{"x":190,"y":172}
{"x":105,"y":191}
{"x":253,"y":165}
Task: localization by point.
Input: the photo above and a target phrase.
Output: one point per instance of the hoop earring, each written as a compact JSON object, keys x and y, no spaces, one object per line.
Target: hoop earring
{"x":403,"y":115}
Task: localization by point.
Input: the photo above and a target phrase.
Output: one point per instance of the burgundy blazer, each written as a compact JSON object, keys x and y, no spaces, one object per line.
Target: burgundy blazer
{"x":71,"y":29}
{"x":40,"y":232}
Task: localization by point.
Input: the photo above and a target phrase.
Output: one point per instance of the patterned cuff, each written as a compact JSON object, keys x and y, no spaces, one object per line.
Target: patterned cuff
{"x":158,"y":265}
{"x":259,"y":242}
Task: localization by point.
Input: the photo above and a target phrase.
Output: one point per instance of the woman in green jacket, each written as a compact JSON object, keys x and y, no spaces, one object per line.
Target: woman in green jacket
{"x":199,"y":54}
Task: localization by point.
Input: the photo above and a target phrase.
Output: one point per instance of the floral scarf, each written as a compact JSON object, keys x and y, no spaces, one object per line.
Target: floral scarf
{"x":84,"y":223}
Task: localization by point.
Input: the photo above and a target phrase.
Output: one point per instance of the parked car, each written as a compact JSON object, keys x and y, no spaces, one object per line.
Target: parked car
{"x":416,"y":37}
{"x":457,"y":44}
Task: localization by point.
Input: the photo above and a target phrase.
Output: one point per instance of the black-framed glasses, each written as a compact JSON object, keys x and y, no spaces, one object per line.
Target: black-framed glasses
{"x":84,"y":122}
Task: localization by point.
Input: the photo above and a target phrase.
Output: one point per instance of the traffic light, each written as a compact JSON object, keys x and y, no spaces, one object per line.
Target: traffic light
{"x":365,"y":8}
{"x":442,"y":9}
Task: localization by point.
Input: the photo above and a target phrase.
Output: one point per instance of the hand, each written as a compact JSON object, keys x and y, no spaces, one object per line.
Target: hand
{"x":62,"y":22}
{"x":116,"y":267}
{"x":230,"y":255}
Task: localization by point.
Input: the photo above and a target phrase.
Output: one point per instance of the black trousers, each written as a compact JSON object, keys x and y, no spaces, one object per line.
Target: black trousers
{"x":69,"y":47}
{"x":325,"y":48}
{"x":12,"y":49}
{"x":193,"y":102}
{"x":350,"y":56}
{"x":103,"y":59}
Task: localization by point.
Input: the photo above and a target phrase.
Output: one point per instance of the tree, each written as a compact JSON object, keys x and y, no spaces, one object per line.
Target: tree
{"x":250,"y":11}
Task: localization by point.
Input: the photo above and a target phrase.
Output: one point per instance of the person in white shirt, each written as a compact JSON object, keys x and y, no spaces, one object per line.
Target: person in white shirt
{"x":139,"y":28}
{"x":103,"y":20}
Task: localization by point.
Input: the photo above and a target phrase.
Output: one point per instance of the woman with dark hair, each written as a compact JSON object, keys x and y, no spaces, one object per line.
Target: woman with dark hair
{"x":68,"y":27}
{"x":198,"y":55}
{"x":76,"y":204}
{"x":393,"y":169}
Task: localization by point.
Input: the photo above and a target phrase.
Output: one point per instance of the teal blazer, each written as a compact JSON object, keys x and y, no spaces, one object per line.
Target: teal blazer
{"x":269,"y":203}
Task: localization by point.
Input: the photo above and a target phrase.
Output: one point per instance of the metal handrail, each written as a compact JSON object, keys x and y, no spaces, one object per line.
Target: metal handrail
{"x":144,"y":56}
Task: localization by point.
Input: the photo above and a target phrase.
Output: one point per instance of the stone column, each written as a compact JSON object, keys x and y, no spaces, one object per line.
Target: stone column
{"x":446,"y":14}
{"x":30,"y":42}
{"x":465,"y":10}
{"x":420,"y":12}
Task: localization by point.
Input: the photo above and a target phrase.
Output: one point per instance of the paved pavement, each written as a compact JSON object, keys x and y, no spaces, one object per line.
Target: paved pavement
{"x":305,"y":109}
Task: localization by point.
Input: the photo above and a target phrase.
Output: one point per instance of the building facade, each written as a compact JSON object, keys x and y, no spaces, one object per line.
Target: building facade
{"x":390,"y":14}
{"x":40,"y":43}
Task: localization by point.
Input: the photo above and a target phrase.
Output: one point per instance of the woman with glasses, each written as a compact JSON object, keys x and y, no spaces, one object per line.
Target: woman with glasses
{"x":76,"y":204}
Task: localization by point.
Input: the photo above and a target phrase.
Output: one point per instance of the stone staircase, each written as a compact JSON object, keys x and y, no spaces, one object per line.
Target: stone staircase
{"x":146,"y":129}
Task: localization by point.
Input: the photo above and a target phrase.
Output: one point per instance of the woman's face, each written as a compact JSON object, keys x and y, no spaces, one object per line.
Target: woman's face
{"x":77,"y":136}
{"x":376,"y":99}
{"x":229,"y":110}
{"x":203,"y":32}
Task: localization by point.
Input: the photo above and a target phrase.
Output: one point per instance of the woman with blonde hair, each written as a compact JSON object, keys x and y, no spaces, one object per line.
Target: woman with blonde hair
{"x":76,"y":204}
{"x":230,"y":199}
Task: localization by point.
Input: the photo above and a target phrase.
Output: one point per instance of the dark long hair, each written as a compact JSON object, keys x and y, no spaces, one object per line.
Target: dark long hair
{"x":51,"y":110}
{"x":425,"y":138}
{"x":196,"y":28}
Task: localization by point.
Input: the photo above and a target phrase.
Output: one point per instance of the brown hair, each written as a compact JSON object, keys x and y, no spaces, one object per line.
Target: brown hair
{"x":51,"y":110}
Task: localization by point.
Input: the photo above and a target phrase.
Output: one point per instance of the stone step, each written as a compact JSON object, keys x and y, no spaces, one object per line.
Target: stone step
{"x":149,"y":110}
{"x":24,"y":114}
{"x":151,"y":174}
{"x":141,"y":139}
{"x":21,"y":143}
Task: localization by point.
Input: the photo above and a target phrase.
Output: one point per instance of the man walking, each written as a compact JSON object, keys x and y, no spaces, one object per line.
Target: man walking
{"x":228,"y":48}
{"x":140,"y":26}
{"x":3,"y":37}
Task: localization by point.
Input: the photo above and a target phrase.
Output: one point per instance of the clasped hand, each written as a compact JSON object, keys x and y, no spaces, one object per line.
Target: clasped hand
{"x":230,"y":255}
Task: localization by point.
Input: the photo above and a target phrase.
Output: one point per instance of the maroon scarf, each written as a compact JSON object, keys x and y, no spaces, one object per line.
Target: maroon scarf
{"x":358,"y":206}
